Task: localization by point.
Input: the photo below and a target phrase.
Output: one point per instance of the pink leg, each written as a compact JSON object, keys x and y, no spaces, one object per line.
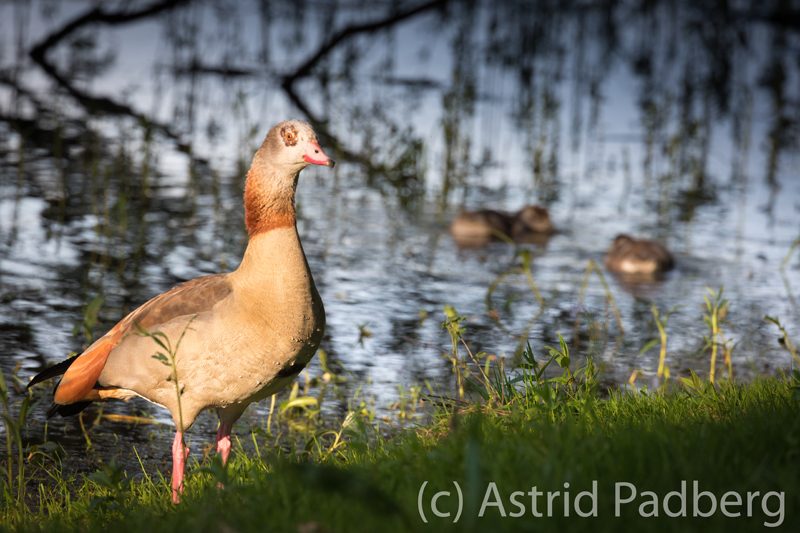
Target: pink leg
{"x":179,"y":454}
{"x":224,"y":440}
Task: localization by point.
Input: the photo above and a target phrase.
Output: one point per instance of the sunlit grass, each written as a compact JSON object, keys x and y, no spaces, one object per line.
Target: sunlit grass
{"x":548,"y":431}
{"x":545,"y":422}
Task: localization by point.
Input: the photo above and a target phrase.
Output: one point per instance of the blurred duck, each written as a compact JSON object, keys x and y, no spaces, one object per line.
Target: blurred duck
{"x":628,"y":255}
{"x":480,"y":226}
{"x":476,"y":228}
{"x":531,"y":220}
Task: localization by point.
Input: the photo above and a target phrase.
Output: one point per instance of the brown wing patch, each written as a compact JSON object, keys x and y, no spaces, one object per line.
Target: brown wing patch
{"x":188,"y":298}
{"x":289,"y":135}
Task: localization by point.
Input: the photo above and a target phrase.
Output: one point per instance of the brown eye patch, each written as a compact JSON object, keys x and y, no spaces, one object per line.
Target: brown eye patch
{"x":289,"y":135}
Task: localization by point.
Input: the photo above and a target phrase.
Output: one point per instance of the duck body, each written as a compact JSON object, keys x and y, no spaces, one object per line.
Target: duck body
{"x":235,"y":338}
{"x":257,"y":328}
{"x":477,"y":228}
{"x":628,"y":255}
{"x":482,"y":225}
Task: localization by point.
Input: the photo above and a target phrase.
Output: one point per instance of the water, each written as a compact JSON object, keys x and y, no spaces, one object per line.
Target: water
{"x":658,"y":119}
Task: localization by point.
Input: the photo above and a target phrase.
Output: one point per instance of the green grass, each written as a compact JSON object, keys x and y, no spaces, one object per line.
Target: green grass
{"x":729,"y":438}
{"x":542,"y":424}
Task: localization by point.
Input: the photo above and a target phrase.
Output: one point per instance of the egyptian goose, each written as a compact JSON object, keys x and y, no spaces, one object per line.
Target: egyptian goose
{"x":243,"y":335}
{"x":628,"y":255}
{"x":475,"y":228}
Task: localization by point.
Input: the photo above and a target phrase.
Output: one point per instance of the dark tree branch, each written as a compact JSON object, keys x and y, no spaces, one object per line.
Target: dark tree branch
{"x":226,"y":71}
{"x":324,"y":49}
{"x":324,"y":133}
{"x":103,"y":104}
{"x":349,"y":31}
{"x":99,"y":16}
{"x":11,"y":81}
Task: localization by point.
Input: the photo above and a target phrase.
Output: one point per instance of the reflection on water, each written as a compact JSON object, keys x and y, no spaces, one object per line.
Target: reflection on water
{"x":125,"y":132}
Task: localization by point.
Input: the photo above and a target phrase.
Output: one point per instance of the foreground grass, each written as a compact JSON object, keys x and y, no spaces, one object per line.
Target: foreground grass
{"x":741,"y":438}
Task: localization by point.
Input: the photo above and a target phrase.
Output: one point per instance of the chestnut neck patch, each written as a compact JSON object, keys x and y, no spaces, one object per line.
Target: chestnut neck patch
{"x":265,"y":210}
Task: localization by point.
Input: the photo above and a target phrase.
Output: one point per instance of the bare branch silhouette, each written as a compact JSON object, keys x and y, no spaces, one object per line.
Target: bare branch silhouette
{"x":103,"y":104}
{"x":100,"y":16}
{"x":350,"y":31}
{"x":324,"y":49}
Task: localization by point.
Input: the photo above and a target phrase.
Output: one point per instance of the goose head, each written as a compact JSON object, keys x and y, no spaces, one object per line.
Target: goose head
{"x":292,"y":145}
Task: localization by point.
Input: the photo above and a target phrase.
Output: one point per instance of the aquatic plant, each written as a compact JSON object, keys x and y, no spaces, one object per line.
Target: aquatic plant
{"x":716,"y":312}
{"x":660,"y":321}
{"x":785,"y":340}
{"x":593,"y":268}
{"x":13,"y":486}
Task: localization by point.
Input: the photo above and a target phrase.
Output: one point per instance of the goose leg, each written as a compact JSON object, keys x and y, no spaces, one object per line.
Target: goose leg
{"x":179,"y":454}
{"x":224,"y":440}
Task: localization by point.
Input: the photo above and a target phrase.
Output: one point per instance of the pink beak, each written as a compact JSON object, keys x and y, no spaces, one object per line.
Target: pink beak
{"x":316,"y":156}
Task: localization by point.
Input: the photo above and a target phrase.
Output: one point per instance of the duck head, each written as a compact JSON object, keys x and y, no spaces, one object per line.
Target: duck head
{"x":292,"y":145}
{"x":532,"y":219}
